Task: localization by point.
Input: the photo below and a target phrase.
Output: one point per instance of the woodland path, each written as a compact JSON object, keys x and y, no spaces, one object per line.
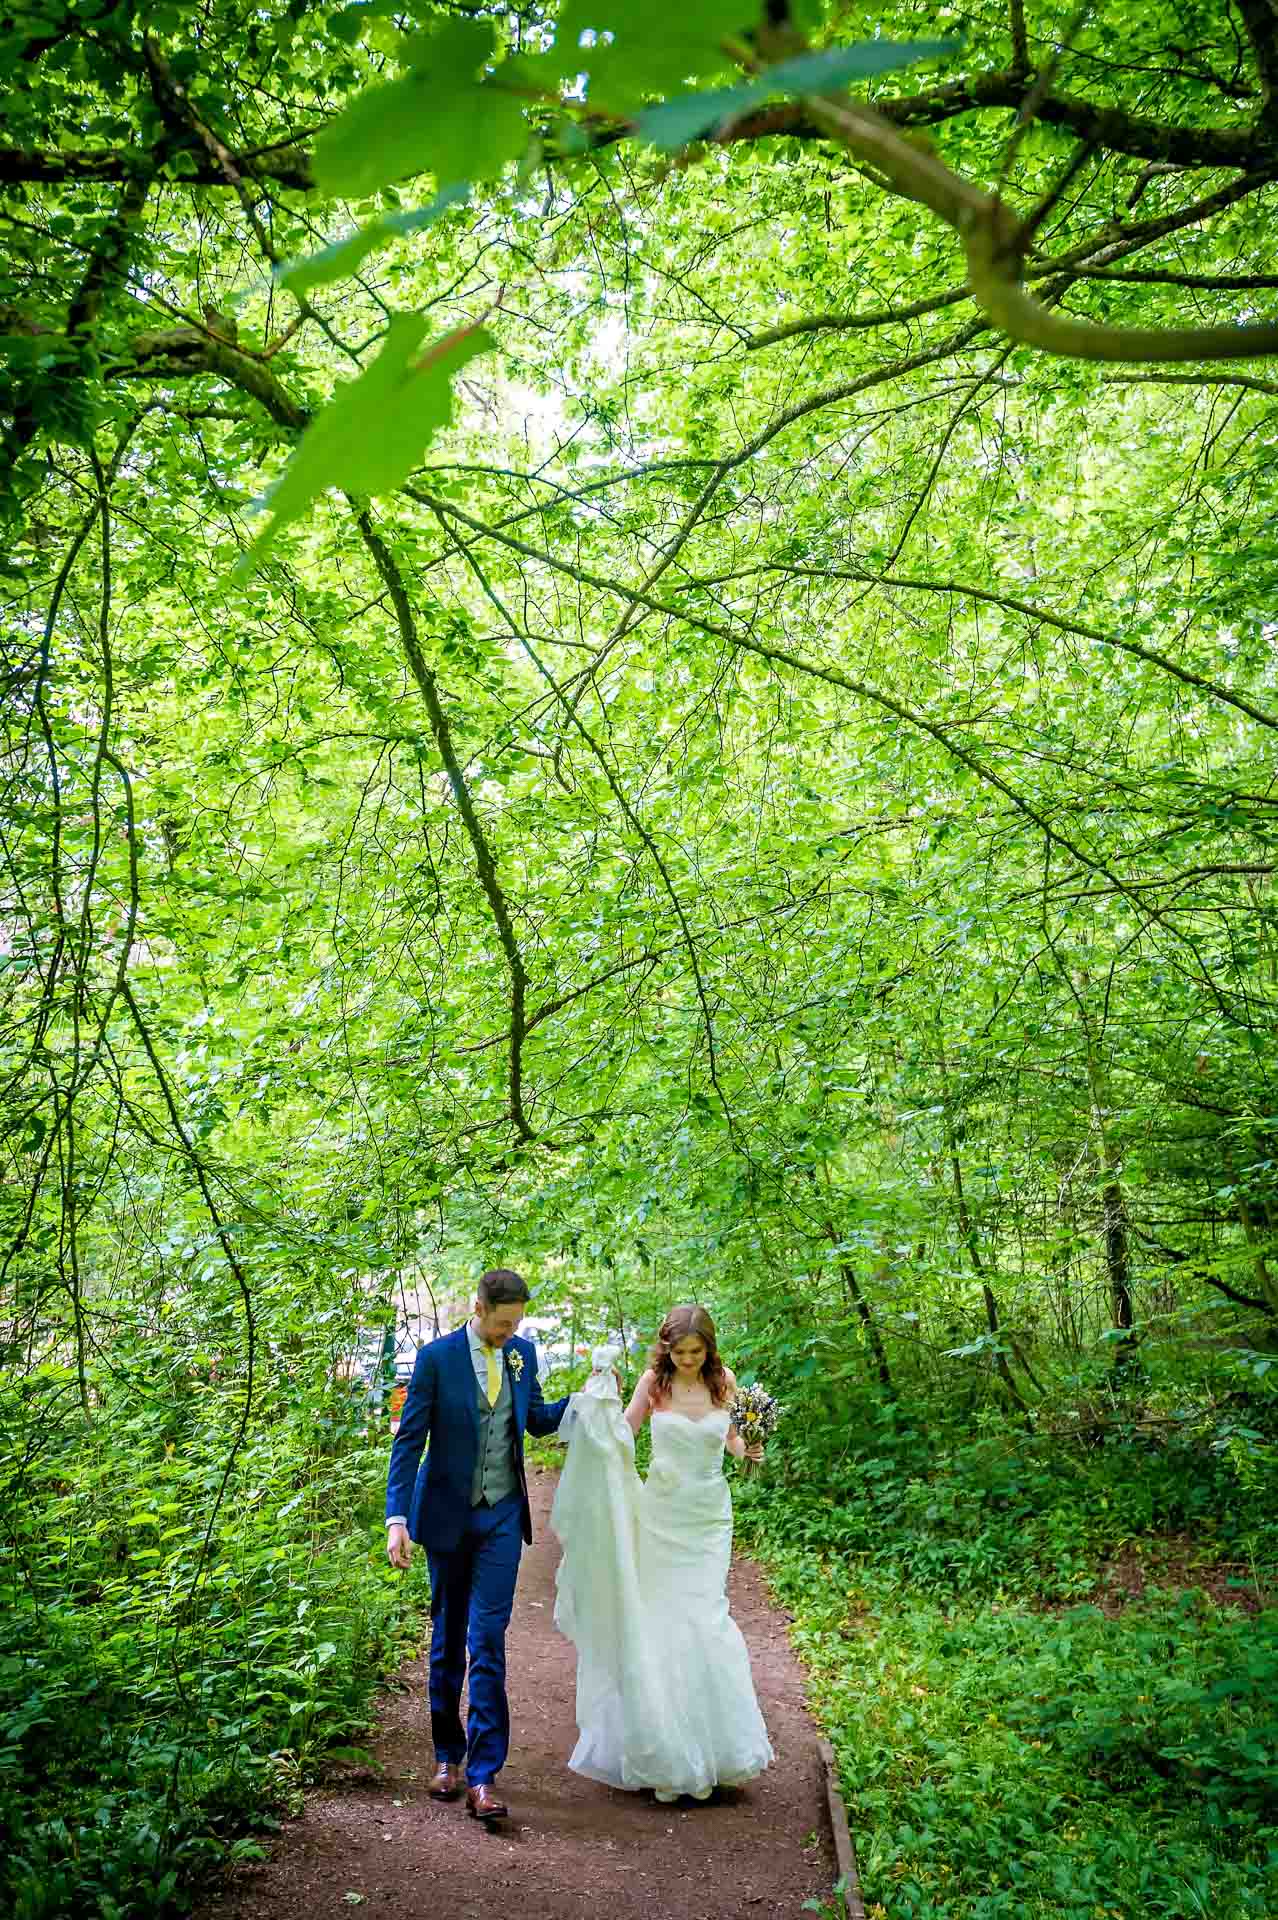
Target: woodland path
{"x":572,"y":1850}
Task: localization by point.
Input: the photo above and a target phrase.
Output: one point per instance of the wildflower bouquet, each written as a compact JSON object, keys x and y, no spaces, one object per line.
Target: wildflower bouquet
{"x":754,"y":1414}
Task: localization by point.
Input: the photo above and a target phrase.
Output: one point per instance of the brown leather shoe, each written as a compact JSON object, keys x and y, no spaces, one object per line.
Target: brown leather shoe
{"x":482,"y":1803}
{"x":447,"y":1783}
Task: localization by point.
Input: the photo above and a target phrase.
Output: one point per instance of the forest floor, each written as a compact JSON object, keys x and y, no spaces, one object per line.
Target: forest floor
{"x":571,"y":1850}
{"x":1170,"y":1563}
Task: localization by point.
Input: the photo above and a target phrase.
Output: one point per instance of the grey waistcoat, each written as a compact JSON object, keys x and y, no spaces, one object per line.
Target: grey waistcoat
{"x":495,"y":1474}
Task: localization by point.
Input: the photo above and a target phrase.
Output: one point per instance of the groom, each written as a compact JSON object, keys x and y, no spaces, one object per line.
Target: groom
{"x":473,"y":1394}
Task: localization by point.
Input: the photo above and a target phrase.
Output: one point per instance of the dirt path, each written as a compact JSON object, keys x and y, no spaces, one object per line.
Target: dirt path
{"x":572,"y":1850}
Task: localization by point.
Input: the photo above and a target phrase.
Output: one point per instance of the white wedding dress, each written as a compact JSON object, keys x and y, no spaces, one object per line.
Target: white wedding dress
{"x":664,"y":1693}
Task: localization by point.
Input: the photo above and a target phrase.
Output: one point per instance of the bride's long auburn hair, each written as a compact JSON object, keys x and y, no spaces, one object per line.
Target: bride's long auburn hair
{"x":678,"y":1324}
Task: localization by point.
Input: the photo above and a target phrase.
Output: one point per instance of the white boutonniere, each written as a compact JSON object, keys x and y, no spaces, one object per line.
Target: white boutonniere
{"x":515,"y":1361}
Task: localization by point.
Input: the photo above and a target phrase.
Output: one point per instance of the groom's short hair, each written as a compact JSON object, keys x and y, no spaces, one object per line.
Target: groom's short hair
{"x":502,"y":1287}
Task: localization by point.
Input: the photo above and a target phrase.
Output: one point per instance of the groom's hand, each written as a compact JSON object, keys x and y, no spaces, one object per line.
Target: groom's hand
{"x":399,"y":1548}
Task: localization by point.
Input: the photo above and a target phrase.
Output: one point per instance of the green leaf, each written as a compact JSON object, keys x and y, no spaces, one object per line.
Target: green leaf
{"x":676,"y":122}
{"x":653,"y":49}
{"x":349,"y":24}
{"x":376,"y":430}
{"x":818,"y":72}
{"x":439,"y":118}
{"x":344,"y":256}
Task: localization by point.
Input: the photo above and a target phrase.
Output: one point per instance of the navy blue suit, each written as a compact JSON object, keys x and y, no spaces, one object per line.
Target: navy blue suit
{"x":473,"y":1552}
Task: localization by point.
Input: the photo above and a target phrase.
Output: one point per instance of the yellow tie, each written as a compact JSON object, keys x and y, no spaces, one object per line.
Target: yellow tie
{"x":494,"y":1375}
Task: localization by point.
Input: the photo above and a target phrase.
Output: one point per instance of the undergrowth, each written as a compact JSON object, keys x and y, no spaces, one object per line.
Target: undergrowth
{"x":162,"y":1697}
{"x":1006,"y":1746}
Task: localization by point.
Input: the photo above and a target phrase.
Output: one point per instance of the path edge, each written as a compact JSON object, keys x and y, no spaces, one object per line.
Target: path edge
{"x":844,"y":1851}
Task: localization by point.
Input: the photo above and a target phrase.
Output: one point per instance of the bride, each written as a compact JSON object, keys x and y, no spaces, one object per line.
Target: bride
{"x":664,"y":1694}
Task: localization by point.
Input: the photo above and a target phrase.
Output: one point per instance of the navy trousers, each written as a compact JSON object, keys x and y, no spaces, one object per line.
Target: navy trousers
{"x":472,"y":1591}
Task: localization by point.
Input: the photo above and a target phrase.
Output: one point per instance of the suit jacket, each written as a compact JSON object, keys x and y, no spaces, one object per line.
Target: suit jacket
{"x":442,"y":1409}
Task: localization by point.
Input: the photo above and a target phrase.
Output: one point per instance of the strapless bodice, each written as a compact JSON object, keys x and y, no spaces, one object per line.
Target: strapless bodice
{"x":688,"y":1449}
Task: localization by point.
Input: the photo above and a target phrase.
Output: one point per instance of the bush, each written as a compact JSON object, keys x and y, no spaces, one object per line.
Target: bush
{"x":161,"y":1692}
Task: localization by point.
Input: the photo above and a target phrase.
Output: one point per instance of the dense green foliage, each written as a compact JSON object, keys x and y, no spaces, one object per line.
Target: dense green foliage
{"x":1008,"y":1747}
{"x":616,"y":662}
{"x":172,"y":1668}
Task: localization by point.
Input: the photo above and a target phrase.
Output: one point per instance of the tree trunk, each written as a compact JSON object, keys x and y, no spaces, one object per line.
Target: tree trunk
{"x":968,"y":1231}
{"x":967,"y":1228}
{"x":1253,"y":1230}
{"x":1114,"y":1207}
{"x":853,"y":1289}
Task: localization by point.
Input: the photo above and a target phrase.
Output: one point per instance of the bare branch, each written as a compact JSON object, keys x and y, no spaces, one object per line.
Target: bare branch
{"x":1247,"y":380}
{"x":849,"y":322}
{"x":286,"y":166}
{"x":1111,"y":128}
{"x":993,"y":241}
{"x":485,"y":864}
{"x":1260,"y":20}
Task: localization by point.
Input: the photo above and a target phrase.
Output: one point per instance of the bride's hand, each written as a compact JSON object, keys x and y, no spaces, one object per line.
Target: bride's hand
{"x":755,"y":1452}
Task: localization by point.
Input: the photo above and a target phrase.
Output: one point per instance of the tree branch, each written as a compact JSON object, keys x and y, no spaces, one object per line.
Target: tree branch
{"x":994,"y":243}
{"x":486,"y":866}
{"x":1026,"y":608}
{"x":570,"y":707}
{"x":1260,"y":21}
{"x":1197,"y":1270}
{"x":746,"y":642}
{"x":1199,"y":282}
{"x":1205,"y":379}
{"x":287,"y":167}
{"x":182,"y":353}
{"x":849,"y":322}
{"x":1112,"y":128}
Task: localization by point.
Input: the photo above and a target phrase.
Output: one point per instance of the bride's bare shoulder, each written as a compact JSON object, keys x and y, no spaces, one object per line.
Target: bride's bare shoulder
{"x":729,"y":1376}
{"x":650,"y":1387}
